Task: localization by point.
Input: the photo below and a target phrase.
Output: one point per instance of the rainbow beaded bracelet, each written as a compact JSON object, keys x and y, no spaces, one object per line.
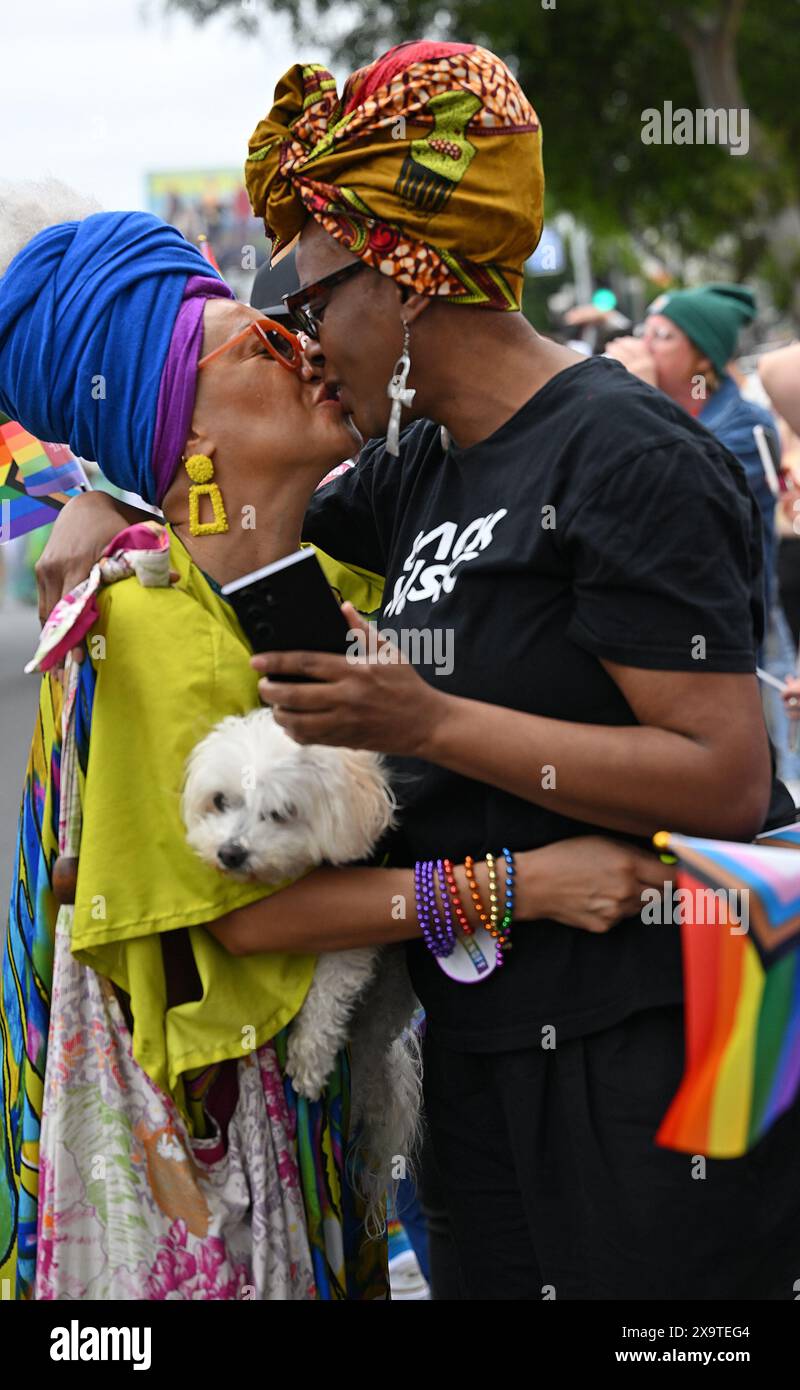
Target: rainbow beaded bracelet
{"x":438,"y":928}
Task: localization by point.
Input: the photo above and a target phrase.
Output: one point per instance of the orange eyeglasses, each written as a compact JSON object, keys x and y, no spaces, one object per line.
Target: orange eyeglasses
{"x":279,"y":342}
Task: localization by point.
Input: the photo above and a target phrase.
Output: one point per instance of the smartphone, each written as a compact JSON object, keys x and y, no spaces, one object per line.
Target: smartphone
{"x":770,"y":454}
{"x":289,"y":606}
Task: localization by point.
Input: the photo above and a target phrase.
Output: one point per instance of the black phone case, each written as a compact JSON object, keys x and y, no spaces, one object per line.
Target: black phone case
{"x":289,"y":608}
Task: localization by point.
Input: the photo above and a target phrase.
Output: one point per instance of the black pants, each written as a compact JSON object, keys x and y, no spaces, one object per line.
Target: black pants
{"x":554,"y":1187}
{"x":446,"y":1282}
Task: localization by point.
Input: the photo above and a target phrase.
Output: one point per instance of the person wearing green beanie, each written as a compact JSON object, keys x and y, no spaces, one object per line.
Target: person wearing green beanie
{"x":685,"y":343}
{"x":687,"y":340}
{"x":710,"y":316}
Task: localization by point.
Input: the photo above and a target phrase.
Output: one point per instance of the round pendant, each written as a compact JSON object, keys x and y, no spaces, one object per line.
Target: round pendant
{"x":472,"y":959}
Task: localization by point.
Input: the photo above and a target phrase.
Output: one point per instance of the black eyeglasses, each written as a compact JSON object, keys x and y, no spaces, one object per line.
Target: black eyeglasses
{"x":307,"y":305}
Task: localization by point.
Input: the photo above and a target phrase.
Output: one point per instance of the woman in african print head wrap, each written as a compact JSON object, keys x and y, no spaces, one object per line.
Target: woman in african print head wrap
{"x":574,"y":539}
{"x":582,"y":567}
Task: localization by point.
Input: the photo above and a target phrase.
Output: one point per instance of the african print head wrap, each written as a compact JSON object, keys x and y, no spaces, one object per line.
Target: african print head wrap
{"x":428,"y":168}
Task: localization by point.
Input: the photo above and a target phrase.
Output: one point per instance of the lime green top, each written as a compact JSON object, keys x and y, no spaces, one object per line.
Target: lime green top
{"x":172,"y":663}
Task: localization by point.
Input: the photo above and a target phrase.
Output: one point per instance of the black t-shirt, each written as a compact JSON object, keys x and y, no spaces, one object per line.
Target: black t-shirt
{"x":599,"y":521}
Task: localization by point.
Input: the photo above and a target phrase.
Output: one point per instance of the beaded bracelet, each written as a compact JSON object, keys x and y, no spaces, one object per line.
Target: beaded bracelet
{"x":500,"y":930}
{"x":458,"y":907}
{"x":446,"y":928}
{"x":487,"y":919}
{"x":422,"y":907}
{"x":438,"y":933}
{"x":438,"y":927}
{"x":445,"y":941}
{"x":494,"y":907}
{"x":446,"y":909}
{"x":508,"y":913}
{"x":434,"y":943}
{"x":494,"y":911}
{"x":472,"y":884}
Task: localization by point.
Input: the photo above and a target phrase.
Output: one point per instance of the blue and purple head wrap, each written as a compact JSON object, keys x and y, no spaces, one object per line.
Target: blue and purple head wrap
{"x":101,"y":325}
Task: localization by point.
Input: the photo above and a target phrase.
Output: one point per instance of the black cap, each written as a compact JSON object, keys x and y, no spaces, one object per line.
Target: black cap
{"x":271,"y":284}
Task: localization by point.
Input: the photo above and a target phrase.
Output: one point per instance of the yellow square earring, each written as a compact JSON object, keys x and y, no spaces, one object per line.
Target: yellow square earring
{"x":201,"y":472}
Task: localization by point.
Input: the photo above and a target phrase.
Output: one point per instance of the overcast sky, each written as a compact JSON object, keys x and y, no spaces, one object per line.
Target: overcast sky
{"x":99,"y":92}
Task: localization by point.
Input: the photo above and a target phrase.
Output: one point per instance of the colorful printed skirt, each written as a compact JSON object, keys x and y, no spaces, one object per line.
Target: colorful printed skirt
{"x":130,"y":1206}
{"x":105,"y":1190}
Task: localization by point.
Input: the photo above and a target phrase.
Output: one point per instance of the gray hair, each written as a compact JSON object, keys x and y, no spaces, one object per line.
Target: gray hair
{"x":27,"y":207}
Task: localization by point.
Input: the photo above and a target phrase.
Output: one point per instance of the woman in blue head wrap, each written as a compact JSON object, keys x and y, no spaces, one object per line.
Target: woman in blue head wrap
{"x":151,"y":1146}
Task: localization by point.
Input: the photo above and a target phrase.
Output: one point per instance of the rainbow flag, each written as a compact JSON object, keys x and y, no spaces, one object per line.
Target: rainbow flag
{"x":35,"y":480}
{"x":740,"y":933}
{"x":204,"y":246}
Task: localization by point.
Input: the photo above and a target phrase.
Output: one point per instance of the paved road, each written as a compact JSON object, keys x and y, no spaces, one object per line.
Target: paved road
{"x":18,"y":696}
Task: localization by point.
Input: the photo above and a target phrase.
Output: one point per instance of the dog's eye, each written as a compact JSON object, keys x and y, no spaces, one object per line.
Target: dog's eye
{"x":280,"y":817}
{"x":219,"y":802}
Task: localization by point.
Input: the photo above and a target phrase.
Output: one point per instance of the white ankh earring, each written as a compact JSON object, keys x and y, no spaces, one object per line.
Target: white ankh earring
{"x":399,"y":394}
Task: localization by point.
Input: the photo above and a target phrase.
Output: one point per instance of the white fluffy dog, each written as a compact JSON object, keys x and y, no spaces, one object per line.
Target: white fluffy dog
{"x":258,"y":805}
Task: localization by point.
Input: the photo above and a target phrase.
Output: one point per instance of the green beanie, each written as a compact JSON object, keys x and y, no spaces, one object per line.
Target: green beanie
{"x":711,"y":316}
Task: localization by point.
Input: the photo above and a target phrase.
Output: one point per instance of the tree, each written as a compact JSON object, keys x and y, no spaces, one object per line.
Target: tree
{"x":591,"y":70}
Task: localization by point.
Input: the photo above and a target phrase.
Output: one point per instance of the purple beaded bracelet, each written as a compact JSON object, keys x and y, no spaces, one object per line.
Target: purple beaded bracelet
{"x":434,"y":919}
{"x":444,"y":929}
{"x":423,"y":911}
{"x":438,"y":934}
{"x":448,"y":911}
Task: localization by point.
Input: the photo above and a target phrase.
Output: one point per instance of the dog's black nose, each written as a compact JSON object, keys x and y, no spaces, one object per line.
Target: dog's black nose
{"x":231,"y":856}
